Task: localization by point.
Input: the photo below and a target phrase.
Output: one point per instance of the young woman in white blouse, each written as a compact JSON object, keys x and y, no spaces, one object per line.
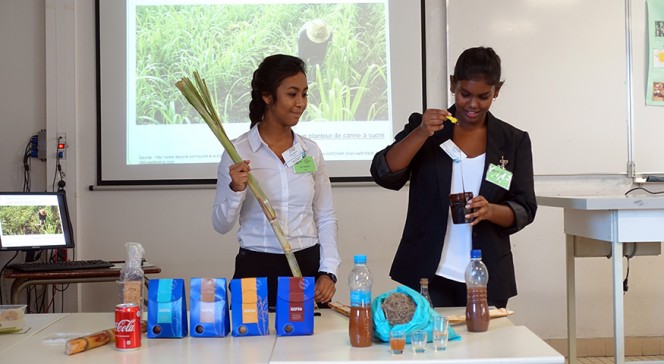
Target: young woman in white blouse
{"x":300,"y":195}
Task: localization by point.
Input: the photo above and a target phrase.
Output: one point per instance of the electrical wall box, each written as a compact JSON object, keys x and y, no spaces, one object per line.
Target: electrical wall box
{"x":41,"y":144}
{"x":62,"y":146}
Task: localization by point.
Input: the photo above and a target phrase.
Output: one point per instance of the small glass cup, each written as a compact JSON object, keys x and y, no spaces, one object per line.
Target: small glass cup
{"x":458,"y":202}
{"x":397,"y":341}
{"x":418,"y":340}
{"x":440,"y":333}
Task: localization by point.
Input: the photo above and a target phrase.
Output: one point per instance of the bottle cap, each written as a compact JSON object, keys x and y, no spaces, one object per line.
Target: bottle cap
{"x":476,"y":254}
{"x":360,"y":259}
{"x":424,"y":281}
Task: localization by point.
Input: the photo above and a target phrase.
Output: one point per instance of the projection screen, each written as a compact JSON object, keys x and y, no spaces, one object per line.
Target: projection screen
{"x":365,"y":67}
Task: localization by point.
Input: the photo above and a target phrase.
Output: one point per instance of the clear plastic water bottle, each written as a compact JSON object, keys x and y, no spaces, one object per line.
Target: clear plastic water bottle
{"x":477,"y":308}
{"x":360,"y":326}
{"x":131,"y":276}
{"x":424,"y":290}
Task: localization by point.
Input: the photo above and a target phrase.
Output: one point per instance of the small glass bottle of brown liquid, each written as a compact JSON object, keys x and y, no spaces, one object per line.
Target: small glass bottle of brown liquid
{"x":477,"y":308}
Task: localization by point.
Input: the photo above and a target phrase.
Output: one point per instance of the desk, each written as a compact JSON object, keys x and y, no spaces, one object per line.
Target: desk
{"x":504,"y":343}
{"x":612,"y":220}
{"x":36,"y":323}
{"x":23,"y":279}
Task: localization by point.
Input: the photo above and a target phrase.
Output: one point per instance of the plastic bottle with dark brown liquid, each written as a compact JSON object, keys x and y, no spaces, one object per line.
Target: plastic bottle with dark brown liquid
{"x":477,"y":308}
{"x":360,"y":325}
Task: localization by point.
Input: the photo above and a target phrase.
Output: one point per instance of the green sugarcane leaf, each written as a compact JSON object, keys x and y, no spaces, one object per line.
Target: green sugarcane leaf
{"x":199,"y":97}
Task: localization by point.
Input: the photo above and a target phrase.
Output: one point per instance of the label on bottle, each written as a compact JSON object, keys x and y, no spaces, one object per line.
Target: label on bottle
{"x":360,"y":298}
{"x":131,"y":291}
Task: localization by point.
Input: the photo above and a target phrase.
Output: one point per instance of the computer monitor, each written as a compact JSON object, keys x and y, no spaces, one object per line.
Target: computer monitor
{"x":31,"y":221}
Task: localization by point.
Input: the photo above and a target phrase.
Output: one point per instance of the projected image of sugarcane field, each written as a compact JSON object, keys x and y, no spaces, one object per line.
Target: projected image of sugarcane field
{"x":344,"y":44}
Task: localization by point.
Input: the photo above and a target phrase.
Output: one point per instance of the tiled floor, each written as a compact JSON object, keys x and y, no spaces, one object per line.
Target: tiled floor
{"x":609,"y":360}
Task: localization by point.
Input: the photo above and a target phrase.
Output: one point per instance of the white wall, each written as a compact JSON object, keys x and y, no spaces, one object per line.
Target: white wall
{"x":174,"y":224}
{"x":22,"y":96}
{"x":22,"y":106}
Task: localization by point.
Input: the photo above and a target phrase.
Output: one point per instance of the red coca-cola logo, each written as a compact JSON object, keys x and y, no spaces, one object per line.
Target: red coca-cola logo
{"x":125,"y":326}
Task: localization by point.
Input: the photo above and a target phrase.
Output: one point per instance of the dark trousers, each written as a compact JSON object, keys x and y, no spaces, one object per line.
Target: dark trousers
{"x":448,"y":293}
{"x":249,"y":264}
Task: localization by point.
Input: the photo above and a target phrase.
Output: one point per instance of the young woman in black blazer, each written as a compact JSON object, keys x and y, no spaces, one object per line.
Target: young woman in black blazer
{"x":431,"y":245}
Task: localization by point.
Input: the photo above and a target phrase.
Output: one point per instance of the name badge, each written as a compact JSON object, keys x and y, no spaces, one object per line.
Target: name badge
{"x":453,"y":150}
{"x":499,"y":176}
{"x":293,"y":155}
{"x":306,"y":165}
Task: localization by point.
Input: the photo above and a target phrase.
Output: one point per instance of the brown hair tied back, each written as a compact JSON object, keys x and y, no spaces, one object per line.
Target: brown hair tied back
{"x":267,"y":78}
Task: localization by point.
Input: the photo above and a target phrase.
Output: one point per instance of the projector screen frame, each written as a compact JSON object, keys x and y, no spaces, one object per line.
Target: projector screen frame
{"x":359,"y":177}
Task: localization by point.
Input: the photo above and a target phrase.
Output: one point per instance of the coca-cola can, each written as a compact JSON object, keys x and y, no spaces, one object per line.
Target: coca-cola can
{"x":127,"y":327}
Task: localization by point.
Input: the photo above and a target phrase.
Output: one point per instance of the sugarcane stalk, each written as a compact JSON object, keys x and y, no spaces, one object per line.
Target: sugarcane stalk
{"x":199,"y":97}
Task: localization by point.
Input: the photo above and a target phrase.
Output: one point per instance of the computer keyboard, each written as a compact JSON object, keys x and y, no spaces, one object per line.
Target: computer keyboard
{"x":60,"y":265}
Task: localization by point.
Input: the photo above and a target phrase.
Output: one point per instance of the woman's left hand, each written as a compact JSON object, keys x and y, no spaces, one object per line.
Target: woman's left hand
{"x":481,"y":209}
{"x":499,"y":214}
{"x":325,"y":289}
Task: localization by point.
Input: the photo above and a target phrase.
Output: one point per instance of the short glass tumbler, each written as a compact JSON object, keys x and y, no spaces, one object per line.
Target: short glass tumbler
{"x":397,"y":341}
{"x":418,"y":340}
{"x":440,"y":333}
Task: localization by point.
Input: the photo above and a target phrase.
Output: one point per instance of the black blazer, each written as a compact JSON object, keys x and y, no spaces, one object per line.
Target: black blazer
{"x":430,"y":175}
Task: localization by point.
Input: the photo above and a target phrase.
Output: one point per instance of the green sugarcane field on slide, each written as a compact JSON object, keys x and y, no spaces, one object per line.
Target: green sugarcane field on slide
{"x":225,"y":44}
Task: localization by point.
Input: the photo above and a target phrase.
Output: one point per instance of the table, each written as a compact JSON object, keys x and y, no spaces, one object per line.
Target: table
{"x":255,"y":349}
{"x":609,"y":221}
{"x":36,"y":323}
{"x":503,"y":343}
{"x":24,"y":279}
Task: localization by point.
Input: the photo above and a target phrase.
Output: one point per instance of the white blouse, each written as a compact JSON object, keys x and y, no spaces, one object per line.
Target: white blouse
{"x":466,"y":176}
{"x":301,"y":201}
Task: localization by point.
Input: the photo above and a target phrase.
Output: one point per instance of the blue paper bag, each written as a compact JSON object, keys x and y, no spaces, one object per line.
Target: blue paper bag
{"x":249,"y":306}
{"x":167,"y":308}
{"x":209,"y":308}
{"x":295,"y":306}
